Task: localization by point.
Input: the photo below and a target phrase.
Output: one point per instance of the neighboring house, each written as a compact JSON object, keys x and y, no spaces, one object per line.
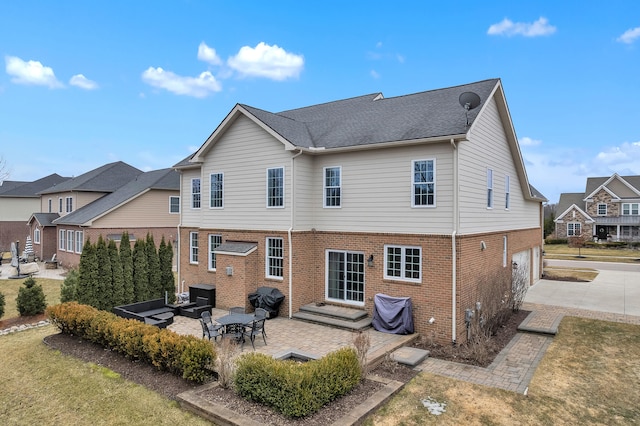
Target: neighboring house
{"x":608,"y":210}
{"x":144,"y":203}
{"x":410,"y":196}
{"x":18,"y":200}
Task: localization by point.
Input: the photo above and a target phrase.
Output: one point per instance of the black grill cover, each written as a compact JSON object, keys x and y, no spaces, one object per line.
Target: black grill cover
{"x":392,"y":314}
{"x":268,"y":298}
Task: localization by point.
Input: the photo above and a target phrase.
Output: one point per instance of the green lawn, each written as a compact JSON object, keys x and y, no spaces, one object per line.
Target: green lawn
{"x":563,"y":251}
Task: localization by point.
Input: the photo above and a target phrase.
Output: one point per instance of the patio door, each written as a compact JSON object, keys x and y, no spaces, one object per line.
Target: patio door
{"x":345,"y":277}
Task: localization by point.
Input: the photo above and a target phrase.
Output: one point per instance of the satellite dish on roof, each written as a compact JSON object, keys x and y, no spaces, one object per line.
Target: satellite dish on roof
{"x":469,"y":101}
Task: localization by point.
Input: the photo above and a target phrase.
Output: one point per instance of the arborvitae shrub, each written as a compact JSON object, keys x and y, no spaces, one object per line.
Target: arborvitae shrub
{"x":31,"y":299}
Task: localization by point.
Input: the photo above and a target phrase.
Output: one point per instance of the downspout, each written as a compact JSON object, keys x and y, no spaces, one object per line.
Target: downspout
{"x":293,"y":193}
{"x":454,"y":277}
{"x":178,"y":258}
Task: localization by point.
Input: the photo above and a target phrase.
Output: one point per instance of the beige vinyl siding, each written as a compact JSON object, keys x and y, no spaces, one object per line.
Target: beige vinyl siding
{"x":189,"y":216}
{"x":149,"y":210}
{"x":243,"y":154}
{"x":376,"y":191}
{"x":80,"y":199}
{"x":304,"y":192}
{"x":488,"y":148}
{"x":17,"y":209}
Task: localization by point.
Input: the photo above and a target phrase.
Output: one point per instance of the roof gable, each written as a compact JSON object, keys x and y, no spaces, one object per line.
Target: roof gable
{"x":31,"y":189}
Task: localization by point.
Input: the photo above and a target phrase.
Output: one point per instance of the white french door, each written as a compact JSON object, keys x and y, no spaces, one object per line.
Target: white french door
{"x":345,"y":276}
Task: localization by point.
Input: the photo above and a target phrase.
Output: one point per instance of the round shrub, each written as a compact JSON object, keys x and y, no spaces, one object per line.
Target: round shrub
{"x":31,"y":299}
{"x":1,"y":305}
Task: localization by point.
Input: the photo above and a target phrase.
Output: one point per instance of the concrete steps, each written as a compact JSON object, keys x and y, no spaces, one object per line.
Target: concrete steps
{"x":334,"y":316}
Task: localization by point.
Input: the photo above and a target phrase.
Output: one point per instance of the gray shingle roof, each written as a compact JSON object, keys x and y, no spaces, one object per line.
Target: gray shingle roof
{"x":594,"y":182}
{"x":239,"y":247}
{"x":30,"y":189}
{"x":46,"y":219}
{"x":372,"y":119}
{"x":567,"y":199}
{"x":163,"y":179}
{"x":106,"y":178}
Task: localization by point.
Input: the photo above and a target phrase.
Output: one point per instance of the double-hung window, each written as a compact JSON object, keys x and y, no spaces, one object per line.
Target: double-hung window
{"x":196,"y":193}
{"x":60,"y":205}
{"x":50,"y":202}
{"x":214,"y":242}
{"x":403,"y":263}
{"x":174,"y":205}
{"x":274,"y":258}
{"x":193,"y":247}
{"x":70,"y":240}
{"x":69,"y":202}
{"x":602,"y":209}
{"x":217,"y":191}
{"x":423,"y":188}
{"x":332,"y":186}
{"x":36,"y":236}
{"x":275,"y":187}
{"x":574,"y":229}
{"x":62,"y":239}
{"x":79,"y":241}
{"x":489,"y":188}
{"x":507,"y":192}
{"x":630,"y":209}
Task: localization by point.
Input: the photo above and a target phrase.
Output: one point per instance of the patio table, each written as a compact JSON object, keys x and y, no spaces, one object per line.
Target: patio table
{"x":234,"y":324}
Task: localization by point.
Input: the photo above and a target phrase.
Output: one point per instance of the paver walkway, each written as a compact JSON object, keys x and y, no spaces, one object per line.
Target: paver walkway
{"x":514,"y":367}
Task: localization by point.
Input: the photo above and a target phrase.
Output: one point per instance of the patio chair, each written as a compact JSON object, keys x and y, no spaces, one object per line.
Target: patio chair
{"x":214,"y":329}
{"x":235,"y":332}
{"x":209,"y":331}
{"x":261,"y":313}
{"x":257,"y":327}
{"x":237,"y":310}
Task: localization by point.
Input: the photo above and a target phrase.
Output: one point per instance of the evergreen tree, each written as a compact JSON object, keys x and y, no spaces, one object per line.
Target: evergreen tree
{"x":140,"y":272}
{"x":104,"y":279}
{"x":126,"y":259}
{"x":165,"y":253}
{"x":88,"y":272}
{"x":153,"y":268}
{"x":1,"y":305}
{"x":117,"y":278}
{"x":31,"y":298}
{"x":69,"y":288}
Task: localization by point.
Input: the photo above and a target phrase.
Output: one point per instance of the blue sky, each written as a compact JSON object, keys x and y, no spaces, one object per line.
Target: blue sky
{"x":86,"y":83}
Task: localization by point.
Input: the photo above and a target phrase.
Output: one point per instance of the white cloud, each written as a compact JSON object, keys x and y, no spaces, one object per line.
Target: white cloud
{"x":198,"y":87}
{"x":267,"y":61}
{"x":508,"y":28}
{"x":374,"y":74}
{"x":629,"y":36}
{"x":622,"y":157}
{"x":83,"y":82}
{"x":208,"y":54}
{"x":526,"y":141}
{"x":31,"y":73}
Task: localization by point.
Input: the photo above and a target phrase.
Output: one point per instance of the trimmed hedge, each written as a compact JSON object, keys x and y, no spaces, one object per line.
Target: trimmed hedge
{"x":556,"y":241}
{"x":186,"y":356}
{"x":297,"y":389}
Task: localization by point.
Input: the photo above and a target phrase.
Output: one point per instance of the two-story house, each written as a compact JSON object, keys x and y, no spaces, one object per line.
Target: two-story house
{"x":608,"y":210}
{"x":410,"y":196}
{"x":18,"y":200}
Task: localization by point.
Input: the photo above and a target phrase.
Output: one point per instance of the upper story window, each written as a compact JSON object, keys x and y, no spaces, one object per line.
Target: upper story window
{"x":489,"y":188}
{"x":403,"y":263}
{"x":214,"y":243}
{"x":50,"y":203}
{"x":274,"y":261}
{"x":69,"y":203}
{"x":507,"y":192}
{"x":423,"y":188}
{"x":630,"y":209}
{"x":332,"y":186}
{"x":574,"y":229}
{"x":602,"y":209}
{"x":60,"y":205}
{"x":193,"y":247}
{"x":196,"y":194}
{"x":275,"y":187}
{"x":174,"y":204}
{"x":217,"y":191}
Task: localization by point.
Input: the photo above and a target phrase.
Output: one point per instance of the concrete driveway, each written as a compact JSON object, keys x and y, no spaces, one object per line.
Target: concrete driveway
{"x":616,"y":289}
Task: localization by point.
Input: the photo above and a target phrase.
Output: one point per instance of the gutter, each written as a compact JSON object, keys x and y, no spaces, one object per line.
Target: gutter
{"x":455,"y":225}
{"x":292,"y":207}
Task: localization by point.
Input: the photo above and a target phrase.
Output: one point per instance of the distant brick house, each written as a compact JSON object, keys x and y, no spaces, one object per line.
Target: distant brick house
{"x":608,"y":210}
{"x":410,"y":196}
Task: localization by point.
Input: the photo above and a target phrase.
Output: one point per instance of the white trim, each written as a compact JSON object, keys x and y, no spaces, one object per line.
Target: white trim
{"x":504,"y":251}
{"x":210,"y":252}
{"x":324,"y":187}
{"x":507,"y":192}
{"x":171,"y":197}
{"x":267,"y":258}
{"x":267,"y":199}
{"x":191,"y":202}
{"x":211,"y":206}
{"x":326,"y":274}
{"x":489,"y":188}
{"x":192,"y":247}
{"x":403,"y":266}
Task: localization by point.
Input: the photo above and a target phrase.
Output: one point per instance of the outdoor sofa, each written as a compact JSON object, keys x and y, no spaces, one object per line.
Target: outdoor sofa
{"x":154,"y":312}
